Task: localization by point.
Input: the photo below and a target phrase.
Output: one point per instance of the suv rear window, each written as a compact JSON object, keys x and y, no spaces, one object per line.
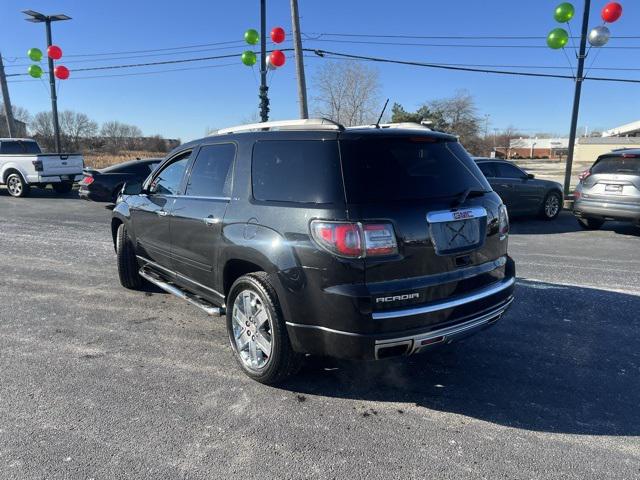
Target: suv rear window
{"x":299,"y":171}
{"x":414,"y":168}
{"x":620,"y":165}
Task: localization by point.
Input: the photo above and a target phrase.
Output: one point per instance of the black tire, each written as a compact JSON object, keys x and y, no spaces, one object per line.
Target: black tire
{"x":127,"y":263}
{"x":282,"y":361}
{"x":551,"y":206}
{"x":590,"y":223}
{"x":62,"y":187}
{"x":16,"y":186}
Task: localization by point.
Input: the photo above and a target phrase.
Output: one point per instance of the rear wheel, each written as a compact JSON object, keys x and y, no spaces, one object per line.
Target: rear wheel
{"x":127,"y":263}
{"x":62,"y":187}
{"x":257,"y":330}
{"x":590,"y":223}
{"x":16,"y":185}
{"x":551,"y":206}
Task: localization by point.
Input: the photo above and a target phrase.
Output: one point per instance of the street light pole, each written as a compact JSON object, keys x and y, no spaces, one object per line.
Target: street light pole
{"x":576,"y":98}
{"x":297,"y":46}
{"x":264,"y":99}
{"x":37,"y":17}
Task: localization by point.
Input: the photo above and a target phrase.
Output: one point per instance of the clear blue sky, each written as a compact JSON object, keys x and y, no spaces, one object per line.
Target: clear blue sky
{"x":182,"y":104}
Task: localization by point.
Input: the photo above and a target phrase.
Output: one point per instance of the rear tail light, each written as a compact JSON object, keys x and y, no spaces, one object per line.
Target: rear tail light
{"x":87,"y":180}
{"x":37,"y":164}
{"x":503,"y":223}
{"x":629,"y":155}
{"x":354,"y":240}
{"x":584,"y":175}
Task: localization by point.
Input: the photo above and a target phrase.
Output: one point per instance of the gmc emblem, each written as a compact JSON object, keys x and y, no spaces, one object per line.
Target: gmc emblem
{"x":463,"y":215}
{"x":397,"y":298}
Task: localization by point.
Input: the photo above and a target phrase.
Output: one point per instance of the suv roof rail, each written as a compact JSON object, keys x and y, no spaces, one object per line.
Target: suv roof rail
{"x":304,"y":124}
{"x":404,"y":125}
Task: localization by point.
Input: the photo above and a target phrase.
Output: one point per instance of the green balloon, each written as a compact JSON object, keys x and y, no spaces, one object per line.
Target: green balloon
{"x":251,"y":36}
{"x":249,"y":58}
{"x":34,"y":54}
{"x":557,"y":38}
{"x":564,"y":12}
{"x":35,"y":71}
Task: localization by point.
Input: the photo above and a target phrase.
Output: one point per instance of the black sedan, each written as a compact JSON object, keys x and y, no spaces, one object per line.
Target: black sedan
{"x":105,"y":184}
{"x":520,"y":191}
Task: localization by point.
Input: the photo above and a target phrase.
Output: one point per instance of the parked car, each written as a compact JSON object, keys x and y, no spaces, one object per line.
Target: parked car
{"x":522,"y":193}
{"x":104,"y":185}
{"x":609,"y":190}
{"x":361,"y":243}
{"x":23,"y":165}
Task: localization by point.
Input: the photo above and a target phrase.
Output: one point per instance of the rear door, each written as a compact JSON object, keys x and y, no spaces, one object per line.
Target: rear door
{"x":150,"y":211}
{"x":196,"y":221}
{"x":615,"y":177}
{"x":519,"y":193}
{"x":415,"y":184}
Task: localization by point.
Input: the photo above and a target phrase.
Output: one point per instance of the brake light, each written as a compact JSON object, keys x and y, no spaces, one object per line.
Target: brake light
{"x":37,"y":164}
{"x":87,"y":180}
{"x":503,"y":223}
{"x":354,"y":240}
{"x":629,"y":155}
{"x":584,"y":175}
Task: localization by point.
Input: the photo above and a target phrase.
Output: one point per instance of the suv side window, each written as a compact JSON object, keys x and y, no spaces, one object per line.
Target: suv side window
{"x":300,"y":171}
{"x":487,"y":169}
{"x":168,"y":181}
{"x":509,"y":171}
{"x":211,"y":173}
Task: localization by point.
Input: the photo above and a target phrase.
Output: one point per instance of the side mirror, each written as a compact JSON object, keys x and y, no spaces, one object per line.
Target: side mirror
{"x":530,"y":176}
{"x":132,"y":188}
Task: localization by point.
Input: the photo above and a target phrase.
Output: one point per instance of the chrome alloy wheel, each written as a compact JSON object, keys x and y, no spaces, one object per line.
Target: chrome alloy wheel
{"x":14,"y":185}
{"x":251,"y":330}
{"x":552,"y":206}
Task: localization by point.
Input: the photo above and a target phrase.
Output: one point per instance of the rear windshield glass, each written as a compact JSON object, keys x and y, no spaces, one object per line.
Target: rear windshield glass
{"x":619,"y":165}
{"x":299,"y":171}
{"x":18,"y":148}
{"x":417,"y":168}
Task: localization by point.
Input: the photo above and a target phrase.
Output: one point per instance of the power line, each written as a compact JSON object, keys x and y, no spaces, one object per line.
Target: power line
{"x":324,"y":53}
{"x":443,"y":37}
{"x":449,"y":45}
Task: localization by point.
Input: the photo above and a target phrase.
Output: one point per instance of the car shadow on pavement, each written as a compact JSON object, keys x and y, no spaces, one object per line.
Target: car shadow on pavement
{"x":564,"y":359}
{"x":44,"y":193}
{"x":565,"y":223}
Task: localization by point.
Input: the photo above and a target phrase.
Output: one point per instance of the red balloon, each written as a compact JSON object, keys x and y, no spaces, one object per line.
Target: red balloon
{"x":277,"y":35}
{"x":277,"y":58}
{"x":54,"y":52}
{"x":611,"y":12}
{"x":61,"y":72}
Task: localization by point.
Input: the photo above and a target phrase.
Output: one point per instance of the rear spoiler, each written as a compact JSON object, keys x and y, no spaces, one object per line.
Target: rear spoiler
{"x":89,"y":171}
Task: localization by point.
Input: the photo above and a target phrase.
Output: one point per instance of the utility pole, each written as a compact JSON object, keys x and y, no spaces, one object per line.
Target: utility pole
{"x":264,"y":99}
{"x":8,"y":111}
{"x":297,"y":46}
{"x":576,"y":98}
{"x":37,"y":17}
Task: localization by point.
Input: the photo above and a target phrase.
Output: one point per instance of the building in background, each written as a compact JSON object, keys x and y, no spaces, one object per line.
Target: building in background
{"x":629,"y":130}
{"x":551,"y":148}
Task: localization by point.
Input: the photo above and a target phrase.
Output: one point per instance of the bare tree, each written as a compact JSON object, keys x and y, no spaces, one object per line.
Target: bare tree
{"x":42,"y":130}
{"x":116,"y":135}
{"x":348,"y":93}
{"x":75,"y":127}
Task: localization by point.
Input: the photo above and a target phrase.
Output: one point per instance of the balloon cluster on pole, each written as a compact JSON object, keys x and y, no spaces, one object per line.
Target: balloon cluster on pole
{"x":598,"y":36}
{"x":54,"y":52}
{"x":275,"y":59}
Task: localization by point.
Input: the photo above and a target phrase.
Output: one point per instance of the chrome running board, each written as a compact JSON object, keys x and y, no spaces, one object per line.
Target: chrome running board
{"x":178,"y":292}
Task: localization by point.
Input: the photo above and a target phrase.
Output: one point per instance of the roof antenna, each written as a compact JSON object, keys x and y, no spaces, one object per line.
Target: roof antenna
{"x":382,"y":113}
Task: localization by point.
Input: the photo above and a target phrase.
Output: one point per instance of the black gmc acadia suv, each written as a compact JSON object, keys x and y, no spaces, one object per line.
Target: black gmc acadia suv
{"x":362,"y":243}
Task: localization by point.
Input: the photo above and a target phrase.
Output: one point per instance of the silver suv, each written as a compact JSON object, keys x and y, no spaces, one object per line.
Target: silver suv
{"x":609,"y":190}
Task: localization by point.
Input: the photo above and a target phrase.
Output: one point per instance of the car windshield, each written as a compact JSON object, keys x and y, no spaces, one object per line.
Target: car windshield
{"x":623,"y":165}
{"x":413,"y":168}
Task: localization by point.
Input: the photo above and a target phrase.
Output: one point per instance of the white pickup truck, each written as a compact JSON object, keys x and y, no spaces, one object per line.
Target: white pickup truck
{"x":23,"y":165}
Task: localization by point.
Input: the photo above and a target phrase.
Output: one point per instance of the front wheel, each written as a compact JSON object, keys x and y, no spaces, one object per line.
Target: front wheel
{"x":16,"y":186}
{"x":590,"y":223}
{"x":127,"y":262}
{"x":62,"y":187}
{"x":257,"y":330}
{"x":551,"y":206}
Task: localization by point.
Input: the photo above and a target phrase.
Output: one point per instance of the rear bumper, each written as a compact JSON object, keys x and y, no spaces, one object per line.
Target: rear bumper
{"x":606,"y":209}
{"x":38,"y":179}
{"x":407,"y":330}
{"x":87,"y":194}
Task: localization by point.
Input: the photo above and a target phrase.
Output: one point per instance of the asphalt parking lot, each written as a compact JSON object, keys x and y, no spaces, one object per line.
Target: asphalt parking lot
{"x":100,"y":382}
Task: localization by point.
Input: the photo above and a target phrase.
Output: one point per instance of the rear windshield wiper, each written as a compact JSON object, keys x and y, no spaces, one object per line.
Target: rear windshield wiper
{"x":462,"y":196}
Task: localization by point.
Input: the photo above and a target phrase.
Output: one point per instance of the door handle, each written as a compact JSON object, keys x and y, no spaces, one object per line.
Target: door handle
{"x":162,"y":213}
{"x":506,"y":185}
{"x":209,"y":221}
